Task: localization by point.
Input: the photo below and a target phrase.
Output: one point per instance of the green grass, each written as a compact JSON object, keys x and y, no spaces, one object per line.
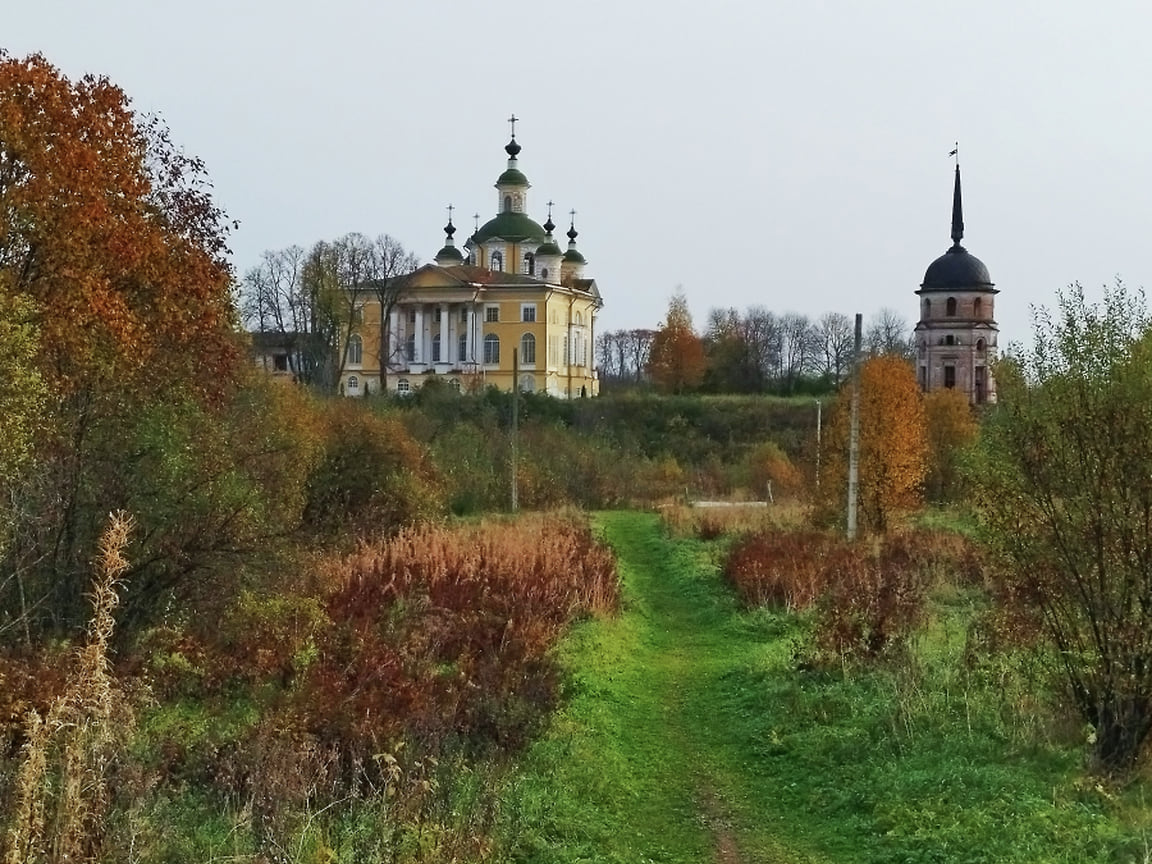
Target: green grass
{"x":689,"y":733}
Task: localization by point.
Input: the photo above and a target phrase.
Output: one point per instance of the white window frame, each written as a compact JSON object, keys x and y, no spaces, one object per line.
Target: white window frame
{"x":528,"y":313}
{"x":491,"y":340}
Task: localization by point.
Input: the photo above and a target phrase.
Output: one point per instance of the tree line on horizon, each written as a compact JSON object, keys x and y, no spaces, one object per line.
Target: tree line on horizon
{"x":755,"y":351}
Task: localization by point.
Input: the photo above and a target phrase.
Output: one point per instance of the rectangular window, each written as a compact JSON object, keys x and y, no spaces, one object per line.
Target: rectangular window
{"x":280,"y":362}
{"x":949,"y":377}
{"x":437,"y":313}
{"x":492,"y":314}
{"x":528,"y":313}
{"x":412,"y":315}
{"x":463,"y":314}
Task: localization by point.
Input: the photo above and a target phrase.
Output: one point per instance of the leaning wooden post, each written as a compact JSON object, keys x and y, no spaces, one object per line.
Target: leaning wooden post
{"x":854,"y":434}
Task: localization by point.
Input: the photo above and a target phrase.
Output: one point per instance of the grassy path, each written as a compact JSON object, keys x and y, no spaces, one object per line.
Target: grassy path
{"x":648,"y":761}
{"x":691,"y":737}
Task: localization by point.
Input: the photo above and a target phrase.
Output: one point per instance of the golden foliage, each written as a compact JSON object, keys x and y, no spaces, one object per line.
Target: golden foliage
{"x":893,"y":443}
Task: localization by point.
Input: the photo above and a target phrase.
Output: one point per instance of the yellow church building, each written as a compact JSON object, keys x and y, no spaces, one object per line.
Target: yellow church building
{"x":460,"y":318}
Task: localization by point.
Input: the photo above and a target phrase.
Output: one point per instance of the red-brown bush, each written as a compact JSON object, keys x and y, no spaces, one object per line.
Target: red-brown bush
{"x":445,"y":633}
{"x":780,"y":568}
{"x":869,"y":597}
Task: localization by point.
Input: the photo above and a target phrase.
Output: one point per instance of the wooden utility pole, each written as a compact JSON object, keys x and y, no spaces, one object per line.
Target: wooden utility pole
{"x":854,"y":434}
{"x":818,"y":406}
{"x":515,"y":425}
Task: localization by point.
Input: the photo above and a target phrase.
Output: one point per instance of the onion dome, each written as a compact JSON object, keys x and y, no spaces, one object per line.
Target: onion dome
{"x":511,"y":226}
{"x":573,"y":256}
{"x":956,"y":268}
{"x":449,"y":255}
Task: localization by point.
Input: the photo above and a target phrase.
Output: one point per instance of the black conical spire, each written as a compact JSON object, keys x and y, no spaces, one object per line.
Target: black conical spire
{"x":957,"y":211}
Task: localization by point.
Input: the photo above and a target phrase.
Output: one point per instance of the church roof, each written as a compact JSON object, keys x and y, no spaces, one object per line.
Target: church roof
{"x":512,"y":177}
{"x":956,"y":269}
{"x":511,"y":226}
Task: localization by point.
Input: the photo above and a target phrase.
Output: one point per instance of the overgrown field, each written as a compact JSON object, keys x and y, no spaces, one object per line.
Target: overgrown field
{"x":363,"y":715}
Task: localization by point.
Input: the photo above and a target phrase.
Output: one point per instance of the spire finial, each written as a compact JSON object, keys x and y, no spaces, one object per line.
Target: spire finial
{"x":572,"y":232}
{"x":450,"y":229}
{"x":513,"y":148}
{"x":475,"y":222}
{"x":957,"y":210}
{"x":549,"y":226}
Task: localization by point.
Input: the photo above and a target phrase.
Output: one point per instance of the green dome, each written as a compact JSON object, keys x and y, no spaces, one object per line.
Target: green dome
{"x":574,"y":257}
{"x":449,"y":252}
{"x":549,"y":248}
{"x":511,"y":226}
{"x":512,"y":177}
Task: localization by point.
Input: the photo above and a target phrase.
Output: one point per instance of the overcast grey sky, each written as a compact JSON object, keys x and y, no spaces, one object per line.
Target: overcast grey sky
{"x":789,"y":154}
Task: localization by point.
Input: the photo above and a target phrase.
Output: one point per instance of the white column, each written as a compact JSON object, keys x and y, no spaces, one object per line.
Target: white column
{"x":418,"y":349}
{"x":445,"y":347}
{"x":471,"y":333}
{"x":393,"y":337}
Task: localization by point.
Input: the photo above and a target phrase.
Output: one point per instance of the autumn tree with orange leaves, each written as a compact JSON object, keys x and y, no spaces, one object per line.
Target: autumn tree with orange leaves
{"x":893,"y":444}
{"x":112,"y":246}
{"x":676,"y":361}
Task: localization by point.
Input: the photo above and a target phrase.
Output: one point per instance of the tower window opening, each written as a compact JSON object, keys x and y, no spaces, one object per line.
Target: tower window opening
{"x":497,"y":262}
{"x":529,"y":264}
{"x":980,"y":344}
{"x":950,"y":307}
{"x":927,"y":308}
{"x":977,"y":307}
{"x":507,"y":203}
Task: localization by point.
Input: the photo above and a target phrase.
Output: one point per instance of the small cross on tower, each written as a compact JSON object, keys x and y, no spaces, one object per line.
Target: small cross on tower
{"x":513,"y":120}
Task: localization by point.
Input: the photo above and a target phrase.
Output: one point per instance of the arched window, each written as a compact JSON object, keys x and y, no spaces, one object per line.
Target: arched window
{"x":927,"y":307}
{"x":950,"y":307}
{"x":436,"y":348}
{"x":528,"y":348}
{"x":579,"y":319}
{"x":402,"y":386}
{"x":491,"y":349}
{"x":544,"y":273}
{"x":529,"y":264}
{"x":353,"y":388}
{"x":979,"y":344}
{"x":977,"y":308}
{"x":410,"y":348}
{"x":355,"y":350}
{"x":497,"y":261}
{"x":507,"y":203}
{"x":462,"y":348}
{"x":527,"y":383}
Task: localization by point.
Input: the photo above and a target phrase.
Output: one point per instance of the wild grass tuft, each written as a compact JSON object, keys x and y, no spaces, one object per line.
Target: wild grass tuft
{"x":61,"y":790}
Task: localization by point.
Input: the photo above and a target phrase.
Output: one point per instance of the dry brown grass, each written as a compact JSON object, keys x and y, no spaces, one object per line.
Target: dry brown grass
{"x":708,"y":523}
{"x":61,"y":792}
